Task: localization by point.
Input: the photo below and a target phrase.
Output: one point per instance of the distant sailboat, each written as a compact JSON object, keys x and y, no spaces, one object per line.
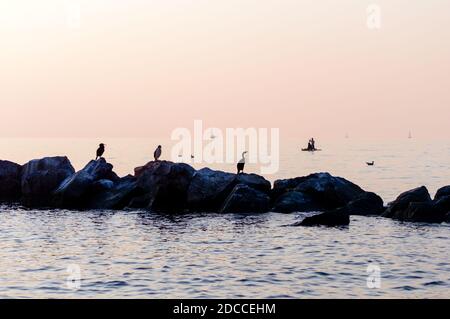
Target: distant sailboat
{"x":346,"y":135}
{"x":409,"y":134}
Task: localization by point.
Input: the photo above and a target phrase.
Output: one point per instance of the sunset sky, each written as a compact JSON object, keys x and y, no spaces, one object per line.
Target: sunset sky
{"x":137,"y":68}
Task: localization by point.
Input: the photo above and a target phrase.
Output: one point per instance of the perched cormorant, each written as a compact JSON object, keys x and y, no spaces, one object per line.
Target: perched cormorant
{"x":100,"y":151}
{"x":241,"y":164}
{"x":157,"y":153}
{"x":370,"y":163}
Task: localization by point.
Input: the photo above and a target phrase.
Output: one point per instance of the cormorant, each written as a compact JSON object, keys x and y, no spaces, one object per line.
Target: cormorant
{"x":241,"y":164}
{"x":157,"y":153}
{"x":100,"y":151}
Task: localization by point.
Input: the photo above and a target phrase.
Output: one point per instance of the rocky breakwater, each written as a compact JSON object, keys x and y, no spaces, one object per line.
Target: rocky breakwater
{"x":416,"y":205}
{"x":167,"y":187}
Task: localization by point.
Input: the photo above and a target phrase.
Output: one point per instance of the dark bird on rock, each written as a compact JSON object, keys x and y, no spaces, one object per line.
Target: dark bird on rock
{"x":241,"y":164}
{"x":157,"y":153}
{"x":100,"y":151}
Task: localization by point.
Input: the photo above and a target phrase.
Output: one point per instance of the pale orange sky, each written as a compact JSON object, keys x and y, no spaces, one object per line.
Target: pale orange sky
{"x":142,"y":68}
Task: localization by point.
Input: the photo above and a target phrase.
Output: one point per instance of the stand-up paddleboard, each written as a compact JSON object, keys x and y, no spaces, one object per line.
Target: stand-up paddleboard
{"x":308,"y":150}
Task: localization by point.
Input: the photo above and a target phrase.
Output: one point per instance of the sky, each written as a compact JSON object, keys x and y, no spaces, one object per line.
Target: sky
{"x":135,"y":68}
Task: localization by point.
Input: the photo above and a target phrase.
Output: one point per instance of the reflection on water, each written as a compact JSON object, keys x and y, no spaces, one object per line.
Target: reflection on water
{"x":146,"y":255}
{"x":138,"y":254}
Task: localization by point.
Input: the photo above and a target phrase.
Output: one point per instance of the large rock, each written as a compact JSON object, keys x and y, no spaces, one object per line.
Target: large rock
{"x":210,"y":188}
{"x":41,"y":177}
{"x":109,"y":195}
{"x":425,"y":212}
{"x":76,"y":190}
{"x":326,"y":191}
{"x":10,"y":189}
{"x":442,"y":192}
{"x":164,"y":185}
{"x":244,"y":199}
{"x":254,"y":181}
{"x":366,"y":204}
{"x":293,"y":201}
{"x":398,"y":206}
{"x":325,"y":219}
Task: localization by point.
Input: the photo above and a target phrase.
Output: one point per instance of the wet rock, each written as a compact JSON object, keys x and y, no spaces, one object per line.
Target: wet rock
{"x":326,"y":191}
{"x":398,"y":206}
{"x":293,"y":201}
{"x":76,"y":190}
{"x":164,"y":184}
{"x":114,"y":196}
{"x":41,"y":177}
{"x":366,"y":204}
{"x":209,"y":188}
{"x":244,"y":199}
{"x":325,"y":219}
{"x":442,"y":192}
{"x":10,"y":189}
{"x":425,"y":212}
{"x":254,"y":181}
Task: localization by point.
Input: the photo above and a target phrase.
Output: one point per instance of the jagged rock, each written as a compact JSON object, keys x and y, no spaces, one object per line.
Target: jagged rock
{"x":209,"y":188}
{"x":366,"y":204}
{"x":325,"y":219}
{"x":293,"y":201}
{"x":10,"y":189}
{"x":254,"y":181}
{"x":41,"y":177}
{"x":244,"y":199}
{"x":425,"y":212}
{"x":76,"y":190}
{"x":164,"y":184}
{"x":443,"y":204}
{"x":115,"y":196}
{"x":442,"y":192}
{"x":397,"y":207}
{"x":326,"y":191}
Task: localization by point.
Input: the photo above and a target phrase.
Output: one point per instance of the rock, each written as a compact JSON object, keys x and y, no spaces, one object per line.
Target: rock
{"x":366,"y":204}
{"x":10,"y":189}
{"x":102,"y":185}
{"x":115,"y":196}
{"x":209,"y":188}
{"x":293,"y":201}
{"x":447,"y":218}
{"x":425,"y":212}
{"x":165,"y":185}
{"x":76,"y":190}
{"x":395,"y":209}
{"x":326,"y":191}
{"x":443,"y":203}
{"x":41,"y":177}
{"x":254,"y":181}
{"x":325,"y":219}
{"x":244,"y":199}
{"x":444,"y":191}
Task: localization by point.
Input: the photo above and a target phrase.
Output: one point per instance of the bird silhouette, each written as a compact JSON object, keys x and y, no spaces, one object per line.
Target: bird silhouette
{"x":241,"y":164}
{"x":100,"y":151}
{"x":157,"y":153}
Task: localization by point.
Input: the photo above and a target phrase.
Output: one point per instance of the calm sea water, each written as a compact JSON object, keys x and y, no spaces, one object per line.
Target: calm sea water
{"x":135,"y":254}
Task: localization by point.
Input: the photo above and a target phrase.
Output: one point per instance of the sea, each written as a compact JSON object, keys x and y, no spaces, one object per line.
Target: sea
{"x":140,"y":254}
